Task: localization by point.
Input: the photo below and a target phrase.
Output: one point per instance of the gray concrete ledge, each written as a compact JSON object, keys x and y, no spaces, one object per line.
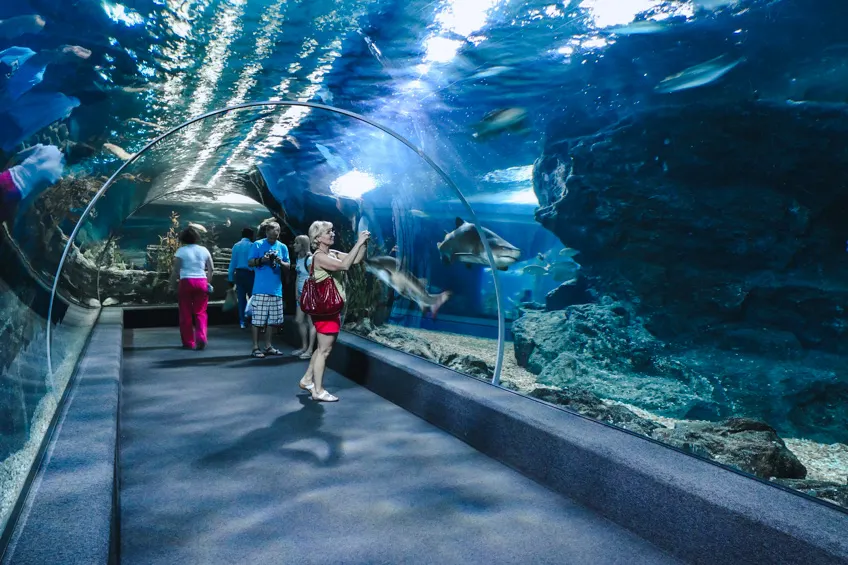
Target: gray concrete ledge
{"x":69,"y":511}
{"x":695,"y":510}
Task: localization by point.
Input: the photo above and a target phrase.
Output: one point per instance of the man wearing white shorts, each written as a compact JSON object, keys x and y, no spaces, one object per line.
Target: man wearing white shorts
{"x":269,"y":258}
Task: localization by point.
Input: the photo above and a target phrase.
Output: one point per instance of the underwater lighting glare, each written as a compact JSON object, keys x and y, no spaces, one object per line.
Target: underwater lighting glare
{"x":466,"y":16}
{"x":121,"y":14}
{"x":526,"y":196}
{"x":616,"y":12}
{"x":441,"y":49}
{"x":523,"y":173}
{"x":353,"y":184}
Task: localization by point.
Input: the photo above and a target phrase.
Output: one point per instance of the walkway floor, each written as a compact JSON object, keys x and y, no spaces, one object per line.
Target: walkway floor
{"x":224,"y":461}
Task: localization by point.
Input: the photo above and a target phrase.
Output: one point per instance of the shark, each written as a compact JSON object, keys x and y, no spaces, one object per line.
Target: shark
{"x":463,"y":244}
{"x":387,"y":269}
{"x":497,"y":121}
{"x":698,"y":75}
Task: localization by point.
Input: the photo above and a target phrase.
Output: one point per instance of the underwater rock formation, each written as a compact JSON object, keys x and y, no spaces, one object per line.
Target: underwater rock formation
{"x":606,"y":349}
{"x":749,"y":445}
{"x":603,"y":348}
{"x":710,"y":214}
{"x":833,"y":492}
{"x":569,"y":294}
{"x":722,"y":227}
{"x":468,"y":364}
{"x":588,"y":404}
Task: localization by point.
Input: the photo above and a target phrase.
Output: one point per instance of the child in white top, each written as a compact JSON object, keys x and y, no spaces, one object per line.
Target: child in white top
{"x":304,"y":324}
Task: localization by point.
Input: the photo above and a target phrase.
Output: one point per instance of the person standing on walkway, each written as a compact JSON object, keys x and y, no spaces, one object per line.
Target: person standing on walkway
{"x":194,"y":268}
{"x":269,"y":259}
{"x":304,"y":324}
{"x":327,"y":264}
{"x":240,"y":274}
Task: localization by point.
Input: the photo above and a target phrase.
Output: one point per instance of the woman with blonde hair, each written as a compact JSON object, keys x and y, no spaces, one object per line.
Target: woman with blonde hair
{"x":303,"y":254}
{"x":327,"y":264}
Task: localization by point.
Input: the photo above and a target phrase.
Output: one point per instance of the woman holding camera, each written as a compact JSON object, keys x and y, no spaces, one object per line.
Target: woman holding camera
{"x":328,"y":264}
{"x":269,"y":258}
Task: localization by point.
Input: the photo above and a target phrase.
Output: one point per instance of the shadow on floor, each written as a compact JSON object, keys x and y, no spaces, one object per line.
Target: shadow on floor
{"x":304,"y":424}
{"x":230,"y":360}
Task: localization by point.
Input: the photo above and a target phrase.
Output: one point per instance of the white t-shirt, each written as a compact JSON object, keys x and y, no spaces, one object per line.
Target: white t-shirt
{"x":193,"y":259}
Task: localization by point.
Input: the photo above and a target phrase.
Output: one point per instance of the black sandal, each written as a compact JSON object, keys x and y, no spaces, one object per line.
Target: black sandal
{"x":257,"y":353}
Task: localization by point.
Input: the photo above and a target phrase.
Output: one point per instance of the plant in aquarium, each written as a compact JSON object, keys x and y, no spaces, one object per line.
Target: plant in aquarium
{"x":210,"y":238}
{"x":64,"y":201}
{"x":106,"y":254}
{"x":163,"y":261}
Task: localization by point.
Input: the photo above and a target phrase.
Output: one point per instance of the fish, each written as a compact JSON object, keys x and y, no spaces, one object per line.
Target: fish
{"x":535,"y":270}
{"x":324,"y":95}
{"x":118,"y":152}
{"x":387,"y":270}
{"x":498,"y":121}
{"x":698,"y":75}
{"x":463,"y":245}
{"x":713,"y":4}
{"x":562,"y":271}
{"x":148,"y":124}
{"x":227,"y":222}
{"x":293,"y":140}
{"x":642,"y":27}
{"x":418,"y":214}
{"x":75,"y":51}
{"x":21,"y":25}
{"x":334,"y":161}
{"x":198,"y":227}
{"x":490,"y":72}
{"x":568,"y":252}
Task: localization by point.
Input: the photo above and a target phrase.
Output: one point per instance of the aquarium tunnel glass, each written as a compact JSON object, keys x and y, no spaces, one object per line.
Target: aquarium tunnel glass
{"x":661,"y":187}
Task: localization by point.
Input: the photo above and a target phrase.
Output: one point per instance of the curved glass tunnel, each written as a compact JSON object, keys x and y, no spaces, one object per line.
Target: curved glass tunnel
{"x":680,"y":271}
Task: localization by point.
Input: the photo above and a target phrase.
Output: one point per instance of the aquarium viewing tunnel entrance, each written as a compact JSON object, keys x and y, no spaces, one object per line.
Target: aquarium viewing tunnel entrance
{"x":361,"y":177}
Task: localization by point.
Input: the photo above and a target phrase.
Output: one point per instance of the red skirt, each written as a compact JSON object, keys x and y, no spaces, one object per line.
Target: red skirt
{"x":327,"y":325}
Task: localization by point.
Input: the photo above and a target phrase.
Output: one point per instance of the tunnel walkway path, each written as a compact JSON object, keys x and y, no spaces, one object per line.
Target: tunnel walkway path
{"x":224,"y":460}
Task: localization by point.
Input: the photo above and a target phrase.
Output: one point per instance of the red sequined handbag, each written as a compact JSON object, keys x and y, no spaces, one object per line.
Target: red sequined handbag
{"x":320,"y":298}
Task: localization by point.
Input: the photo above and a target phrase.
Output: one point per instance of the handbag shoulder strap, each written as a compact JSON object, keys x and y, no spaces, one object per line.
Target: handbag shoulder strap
{"x":312,"y":265}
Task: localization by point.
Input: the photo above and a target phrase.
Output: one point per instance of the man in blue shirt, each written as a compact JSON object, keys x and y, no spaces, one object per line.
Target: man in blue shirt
{"x":240,"y":274}
{"x":269,"y":258}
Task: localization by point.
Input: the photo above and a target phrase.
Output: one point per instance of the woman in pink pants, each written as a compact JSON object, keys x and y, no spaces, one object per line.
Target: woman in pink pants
{"x":193,"y":266}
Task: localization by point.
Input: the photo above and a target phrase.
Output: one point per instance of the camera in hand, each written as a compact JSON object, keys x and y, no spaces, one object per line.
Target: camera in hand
{"x":273,"y":259}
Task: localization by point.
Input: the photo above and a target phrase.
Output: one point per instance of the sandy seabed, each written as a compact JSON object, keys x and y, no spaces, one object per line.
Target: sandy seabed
{"x":824,"y":462}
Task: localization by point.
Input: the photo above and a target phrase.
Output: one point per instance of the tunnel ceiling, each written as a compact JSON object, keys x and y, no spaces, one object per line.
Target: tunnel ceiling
{"x":430,"y":70}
